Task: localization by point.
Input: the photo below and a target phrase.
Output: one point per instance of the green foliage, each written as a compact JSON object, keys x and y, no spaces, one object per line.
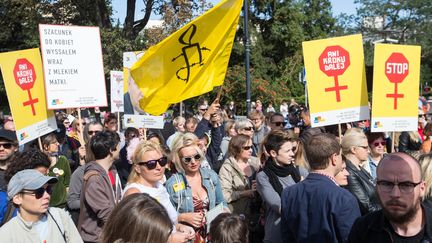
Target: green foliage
{"x":277,"y":29}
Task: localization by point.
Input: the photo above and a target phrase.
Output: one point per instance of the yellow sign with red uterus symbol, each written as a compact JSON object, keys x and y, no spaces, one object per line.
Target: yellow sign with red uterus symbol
{"x":333,"y":62}
{"x":396,"y":81}
{"x":396,"y":70}
{"x":336,"y":80}
{"x":25,"y":77}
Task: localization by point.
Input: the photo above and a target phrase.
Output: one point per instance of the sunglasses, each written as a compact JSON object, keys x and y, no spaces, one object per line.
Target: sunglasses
{"x":248,"y":128}
{"x":246,"y":147}
{"x":203,"y":109}
{"x":187,"y":160}
{"x":151,"y":164}
{"x":6,"y":145}
{"x":92,"y":132}
{"x":376,"y":144}
{"x":39,"y":192}
{"x":278,"y":124}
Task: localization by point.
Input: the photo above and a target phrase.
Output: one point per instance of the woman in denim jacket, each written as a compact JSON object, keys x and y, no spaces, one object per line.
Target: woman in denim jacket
{"x":193,"y":190}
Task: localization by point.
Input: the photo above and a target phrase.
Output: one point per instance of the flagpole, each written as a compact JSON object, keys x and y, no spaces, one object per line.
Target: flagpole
{"x":247,"y":54}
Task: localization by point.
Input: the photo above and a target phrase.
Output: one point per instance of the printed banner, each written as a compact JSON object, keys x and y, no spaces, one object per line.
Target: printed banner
{"x":132,"y":94}
{"x":336,"y":80}
{"x":143,"y":121}
{"x":396,"y":80}
{"x":73,"y":66}
{"x":116,"y":91}
{"x":23,"y":79}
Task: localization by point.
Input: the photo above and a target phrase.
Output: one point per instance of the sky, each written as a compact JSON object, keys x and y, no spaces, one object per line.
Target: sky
{"x":119,"y":8}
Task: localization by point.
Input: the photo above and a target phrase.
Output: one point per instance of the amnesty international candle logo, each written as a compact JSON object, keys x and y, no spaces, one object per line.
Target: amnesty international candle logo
{"x":192,"y":47}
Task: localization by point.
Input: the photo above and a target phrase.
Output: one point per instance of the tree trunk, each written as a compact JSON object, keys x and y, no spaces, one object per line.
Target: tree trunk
{"x":129,"y":20}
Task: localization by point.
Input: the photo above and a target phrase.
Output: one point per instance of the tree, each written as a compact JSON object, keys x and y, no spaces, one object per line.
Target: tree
{"x":408,"y":22}
{"x":174,"y":13}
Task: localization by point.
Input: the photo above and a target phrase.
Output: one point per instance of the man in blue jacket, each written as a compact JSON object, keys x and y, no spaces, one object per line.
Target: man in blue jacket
{"x":317,"y":209}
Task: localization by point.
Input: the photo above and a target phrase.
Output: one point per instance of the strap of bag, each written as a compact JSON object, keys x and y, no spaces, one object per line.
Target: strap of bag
{"x":9,"y":212}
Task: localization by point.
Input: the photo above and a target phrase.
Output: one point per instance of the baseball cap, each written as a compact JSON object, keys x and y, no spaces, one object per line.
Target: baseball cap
{"x":8,"y":135}
{"x":29,"y":179}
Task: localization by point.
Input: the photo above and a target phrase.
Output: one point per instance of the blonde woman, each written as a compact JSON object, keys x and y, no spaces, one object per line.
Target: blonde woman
{"x":193,"y":190}
{"x":426,"y":168}
{"x":355,"y":148}
{"x":147,"y":172}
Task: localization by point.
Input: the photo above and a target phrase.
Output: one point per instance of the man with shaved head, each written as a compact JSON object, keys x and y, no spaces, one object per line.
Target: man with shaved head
{"x":400,"y":189}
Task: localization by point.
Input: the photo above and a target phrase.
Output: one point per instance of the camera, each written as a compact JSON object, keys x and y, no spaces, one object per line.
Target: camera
{"x":294,"y":118}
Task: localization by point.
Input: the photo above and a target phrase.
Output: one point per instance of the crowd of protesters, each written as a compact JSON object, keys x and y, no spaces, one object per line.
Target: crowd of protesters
{"x":272,"y":177}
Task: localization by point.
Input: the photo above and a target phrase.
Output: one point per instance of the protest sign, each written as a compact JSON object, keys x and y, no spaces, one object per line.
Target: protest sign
{"x":143,"y":121}
{"x":73,"y":66}
{"x":336,"y":80}
{"x":23,"y":79}
{"x":132,"y":94}
{"x":116,"y":91}
{"x":395,"y":94}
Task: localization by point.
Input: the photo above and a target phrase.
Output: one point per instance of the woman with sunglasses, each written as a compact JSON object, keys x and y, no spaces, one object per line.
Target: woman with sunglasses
{"x":59,"y":168}
{"x":238,"y":174}
{"x":147,"y":172}
{"x":246,"y":127}
{"x":377,"y":145}
{"x":278,"y":173}
{"x":193,"y":190}
{"x":355,"y":148}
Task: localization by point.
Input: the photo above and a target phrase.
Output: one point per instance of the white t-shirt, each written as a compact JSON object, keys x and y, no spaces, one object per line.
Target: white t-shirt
{"x":160,"y":194}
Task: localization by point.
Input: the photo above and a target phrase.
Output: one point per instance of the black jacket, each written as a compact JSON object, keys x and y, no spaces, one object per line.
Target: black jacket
{"x":214,"y":153}
{"x":374,"y":227}
{"x":362,"y":186}
{"x":407,"y":145}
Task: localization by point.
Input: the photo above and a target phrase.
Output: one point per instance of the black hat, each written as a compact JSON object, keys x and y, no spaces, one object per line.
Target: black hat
{"x":8,"y":135}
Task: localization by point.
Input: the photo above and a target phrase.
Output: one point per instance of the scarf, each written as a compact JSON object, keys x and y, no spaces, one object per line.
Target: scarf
{"x":274,"y":171}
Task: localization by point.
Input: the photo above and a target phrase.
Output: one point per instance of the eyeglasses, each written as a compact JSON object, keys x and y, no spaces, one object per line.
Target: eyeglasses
{"x":246,"y":147}
{"x":93,"y":132}
{"x":39,"y":192}
{"x":376,"y":144}
{"x":187,"y":160}
{"x":420,"y":116}
{"x":248,"y":128}
{"x":151,"y":164}
{"x":404,"y":187}
{"x":6,"y":145}
{"x":278,"y":124}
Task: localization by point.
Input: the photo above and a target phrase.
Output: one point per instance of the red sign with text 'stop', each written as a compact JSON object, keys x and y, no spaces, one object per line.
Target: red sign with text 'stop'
{"x":334,"y":61}
{"x":24,"y":74}
{"x":396,"y":67}
{"x":396,"y":70}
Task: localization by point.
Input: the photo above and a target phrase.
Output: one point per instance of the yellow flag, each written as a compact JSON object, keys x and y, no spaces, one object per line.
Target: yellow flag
{"x":189,"y":62}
